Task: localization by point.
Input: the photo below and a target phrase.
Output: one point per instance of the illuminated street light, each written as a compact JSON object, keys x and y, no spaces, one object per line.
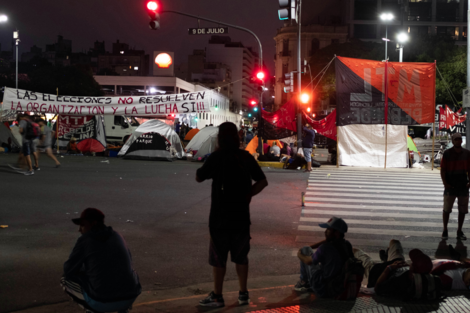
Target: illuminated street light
{"x":386,"y":17}
{"x":3,"y":18}
{"x":401,"y":38}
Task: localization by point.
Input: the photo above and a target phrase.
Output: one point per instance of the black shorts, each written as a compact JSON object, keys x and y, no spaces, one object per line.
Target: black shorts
{"x":236,"y":241}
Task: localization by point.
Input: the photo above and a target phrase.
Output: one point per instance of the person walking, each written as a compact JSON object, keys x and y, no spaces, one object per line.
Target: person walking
{"x":307,"y":145}
{"x":455,"y":167}
{"x":28,"y":148}
{"x":46,"y":141}
{"x":232,"y":171}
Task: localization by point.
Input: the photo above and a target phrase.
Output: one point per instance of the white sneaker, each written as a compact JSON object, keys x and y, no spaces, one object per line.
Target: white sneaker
{"x":28,"y":173}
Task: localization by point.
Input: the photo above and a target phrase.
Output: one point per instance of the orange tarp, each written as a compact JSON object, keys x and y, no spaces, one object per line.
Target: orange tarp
{"x":253,"y":145}
{"x":191,"y":134}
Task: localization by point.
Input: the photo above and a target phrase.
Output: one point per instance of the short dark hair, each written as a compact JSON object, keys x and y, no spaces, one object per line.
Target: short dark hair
{"x":228,"y":136}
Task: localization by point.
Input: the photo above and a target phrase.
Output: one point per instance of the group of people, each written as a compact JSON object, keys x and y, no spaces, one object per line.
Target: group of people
{"x":30,"y":132}
{"x":423,"y":278}
{"x":182,"y":129}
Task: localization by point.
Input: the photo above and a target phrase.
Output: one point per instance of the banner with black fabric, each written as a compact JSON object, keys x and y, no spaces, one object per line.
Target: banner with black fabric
{"x":87,"y":130}
{"x":279,"y":124}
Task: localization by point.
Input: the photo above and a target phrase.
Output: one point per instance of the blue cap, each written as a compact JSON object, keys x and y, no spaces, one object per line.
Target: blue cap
{"x":336,"y":223}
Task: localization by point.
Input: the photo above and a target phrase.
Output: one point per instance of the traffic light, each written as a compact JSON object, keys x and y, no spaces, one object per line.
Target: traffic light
{"x":255,"y":109}
{"x":152,"y":8}
{"x":289,"y":82}
{"x":249,"y":114}
{"x":304,"y":98}
{"x":260,"y":75}
{"x":308,"y":109}
{"x":253,"y":102}
{"x":287,"y":10}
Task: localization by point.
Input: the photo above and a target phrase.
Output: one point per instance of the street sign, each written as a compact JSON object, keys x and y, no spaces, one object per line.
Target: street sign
{"x":466,"y":98}
{"x":208,"y":31}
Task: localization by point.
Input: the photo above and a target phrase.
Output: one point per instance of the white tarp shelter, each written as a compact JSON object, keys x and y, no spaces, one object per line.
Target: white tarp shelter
{"x":364,"y":145}
{"x":6,"y":136}
{"x":153,"y":140}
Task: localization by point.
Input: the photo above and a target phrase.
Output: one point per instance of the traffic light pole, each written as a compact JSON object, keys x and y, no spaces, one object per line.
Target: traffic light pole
{"x":260,"y":103}
{"x":299,"y":76}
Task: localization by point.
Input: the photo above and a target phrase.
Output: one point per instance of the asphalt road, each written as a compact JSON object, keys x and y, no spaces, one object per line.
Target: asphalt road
{"x":157,"y":206}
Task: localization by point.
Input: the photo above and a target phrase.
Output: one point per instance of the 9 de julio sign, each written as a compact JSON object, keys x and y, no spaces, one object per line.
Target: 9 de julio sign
{"x":29,"y":101}
{"x":208,"y":31}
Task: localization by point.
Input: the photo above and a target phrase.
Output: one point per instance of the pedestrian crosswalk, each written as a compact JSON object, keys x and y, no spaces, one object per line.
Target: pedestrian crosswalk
{"x":379,"y":205}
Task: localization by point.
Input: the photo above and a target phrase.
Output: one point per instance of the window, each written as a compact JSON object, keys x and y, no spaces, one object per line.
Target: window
{"x":315,"y":46}
{"x":118,"y":120}
{"x":285,"y":47}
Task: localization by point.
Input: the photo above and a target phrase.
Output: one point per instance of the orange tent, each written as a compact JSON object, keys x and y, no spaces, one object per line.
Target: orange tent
{"x":253,"y":145}
{"x":191,"y":134}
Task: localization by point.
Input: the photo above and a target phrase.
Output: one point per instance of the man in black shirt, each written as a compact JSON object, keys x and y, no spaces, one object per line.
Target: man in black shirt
{"x":232,"y":171}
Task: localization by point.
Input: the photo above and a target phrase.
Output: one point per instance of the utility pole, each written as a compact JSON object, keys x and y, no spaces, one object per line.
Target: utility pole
{"x":467,"y":128}
{"x":16,"y":36}
{"x":299,"y":77}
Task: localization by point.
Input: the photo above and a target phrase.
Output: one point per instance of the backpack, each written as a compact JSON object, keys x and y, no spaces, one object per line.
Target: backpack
{"x":426,"y":287}
{"x":32,"y":130}
{"x":346,"y":285}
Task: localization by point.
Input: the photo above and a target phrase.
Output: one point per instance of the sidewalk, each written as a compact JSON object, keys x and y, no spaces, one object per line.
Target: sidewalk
{"x":270,"y":295}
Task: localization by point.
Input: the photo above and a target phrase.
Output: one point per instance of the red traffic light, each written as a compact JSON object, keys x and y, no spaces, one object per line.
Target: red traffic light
{"x":253,"y":102}
{"x":260,"y":75}
{"x":308,"y":109}
{"x":152,"y":6}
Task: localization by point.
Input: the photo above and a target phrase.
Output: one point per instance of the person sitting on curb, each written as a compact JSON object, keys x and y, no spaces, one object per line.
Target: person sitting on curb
{"x":454,"y":274}
{"x":317,"y":268}
{"x":72,"y":146}
{"x":99,"y":275}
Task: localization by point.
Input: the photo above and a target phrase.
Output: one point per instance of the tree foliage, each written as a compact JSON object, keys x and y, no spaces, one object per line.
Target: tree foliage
{"x":451,"y":63}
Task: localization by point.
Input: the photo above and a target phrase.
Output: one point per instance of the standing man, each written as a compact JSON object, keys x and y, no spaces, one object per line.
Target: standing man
{"x":177,"y":128}
{"x":27,"y":148}
{"x":307,"y":144}
{"x":46,"y":140}
{"x":232,"y":171}
{"x":455,"y":167}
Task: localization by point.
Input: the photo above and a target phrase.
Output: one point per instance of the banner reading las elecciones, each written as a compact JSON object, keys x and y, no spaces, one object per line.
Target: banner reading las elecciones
{"x":30,"y":101}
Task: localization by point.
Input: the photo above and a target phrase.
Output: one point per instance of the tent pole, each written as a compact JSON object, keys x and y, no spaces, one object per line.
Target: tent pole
{"x":337,"y":147}
{"x":57,"y":122}
{"x":386,"y":131}
{"x":386,"y":111}
{"x":433,"y":139}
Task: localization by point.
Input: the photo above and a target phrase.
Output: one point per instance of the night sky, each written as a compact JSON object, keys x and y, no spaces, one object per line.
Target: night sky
{"x":85,"y":21}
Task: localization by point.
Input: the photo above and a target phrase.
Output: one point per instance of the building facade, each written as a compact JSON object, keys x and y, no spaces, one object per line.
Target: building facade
{"x":314,"y":37}
{"x":124,"y":61}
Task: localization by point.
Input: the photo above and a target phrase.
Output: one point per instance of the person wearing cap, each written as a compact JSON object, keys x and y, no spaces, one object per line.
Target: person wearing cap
{"x":316,"y":268}
{"x":455,"y":168}
{"x":99,"y":274}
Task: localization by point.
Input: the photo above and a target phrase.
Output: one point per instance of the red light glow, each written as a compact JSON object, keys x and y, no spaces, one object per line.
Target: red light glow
{"x":152,"y":6}
{"x":253,"y":102}
{"x":260,"y":75}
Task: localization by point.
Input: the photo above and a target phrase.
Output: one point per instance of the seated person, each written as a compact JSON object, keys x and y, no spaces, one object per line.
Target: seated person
{"x":317,"y":268}
{"x":454,"y":275}
{"x":265,"y":146}
{"x":275,"y":150}
{"x":99,"y":275}
{"x":72,"y":146}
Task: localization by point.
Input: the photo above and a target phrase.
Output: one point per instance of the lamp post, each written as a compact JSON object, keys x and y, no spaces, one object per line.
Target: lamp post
{"x":401,"y":38}
{"x":16,"y":36}
{"x":386,"y":17}
{"x":3,"y":18}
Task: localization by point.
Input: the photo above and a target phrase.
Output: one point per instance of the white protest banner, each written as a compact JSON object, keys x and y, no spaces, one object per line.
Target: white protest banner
{"x":30,"y":101}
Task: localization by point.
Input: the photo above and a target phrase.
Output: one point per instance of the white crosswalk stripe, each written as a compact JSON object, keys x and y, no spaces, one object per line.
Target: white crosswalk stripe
{"x":378,"y":206}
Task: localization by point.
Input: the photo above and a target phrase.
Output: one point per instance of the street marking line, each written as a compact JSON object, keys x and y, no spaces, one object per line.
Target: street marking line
{"x":381,"y":222}
{"x":375,"y":231}
{"x":378,"y":243}
{"x":371,"y":214}
{"x":376,"y":178}
{"x":424,"y":176}
{"x":372,"y":207}
{"x":375,"y":186}
{"x":396,"y":181}
{"x":373,"y":191}
{"x":372,"y":201}
{"x":199,"y":296}
{"x":369,"y":195}
{"x":372,"y":172}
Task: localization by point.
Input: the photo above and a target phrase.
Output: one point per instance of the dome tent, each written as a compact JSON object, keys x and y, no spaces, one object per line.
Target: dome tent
{"x":153,"y":140}
{"x":204,"y":142}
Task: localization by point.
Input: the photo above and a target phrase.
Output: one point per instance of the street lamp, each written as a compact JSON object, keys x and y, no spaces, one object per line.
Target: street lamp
{"x":16,"y":36}
{"x":3,"y":18}
{"x":386,"y":17}
{"x":401,"y":38}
